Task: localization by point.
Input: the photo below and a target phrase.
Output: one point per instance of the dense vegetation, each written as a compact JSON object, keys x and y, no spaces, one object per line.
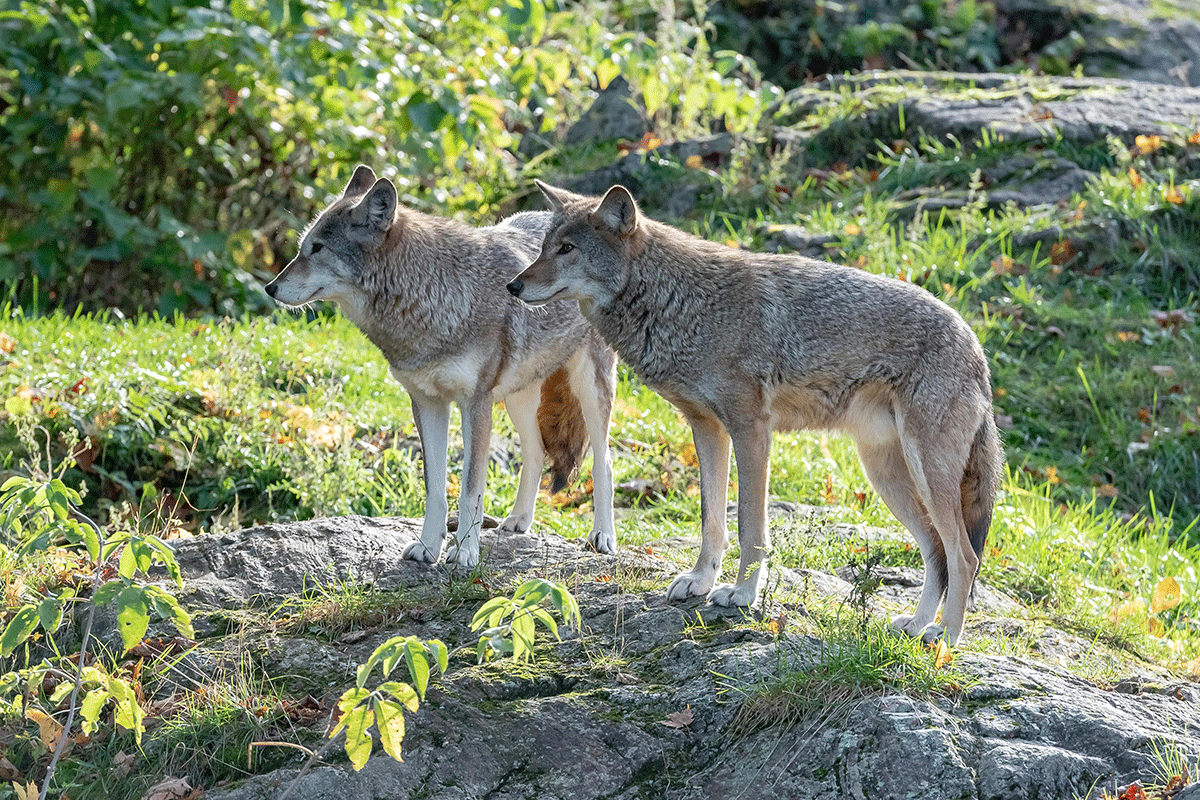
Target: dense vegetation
{"x":160,"y":155}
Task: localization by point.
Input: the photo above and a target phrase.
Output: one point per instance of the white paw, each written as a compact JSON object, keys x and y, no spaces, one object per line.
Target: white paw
{"x":515,"y":523}
{"x":730,"y":595}
{"x":464,"y":556}
{"x":602,"y":541}
{"x":417,"y":551}
{"x":690,"y":584}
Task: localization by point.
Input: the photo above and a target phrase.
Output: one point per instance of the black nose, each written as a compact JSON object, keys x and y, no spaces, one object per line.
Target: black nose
{"x":272,"y":288}
{"x":515,"y":287}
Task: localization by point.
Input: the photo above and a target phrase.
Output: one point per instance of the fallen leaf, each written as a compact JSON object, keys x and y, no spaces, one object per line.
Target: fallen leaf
{"x":1135,"y":178}
{"x":679,"y":719}
{"x":1107,"y":490}
{"x":1173,"y":195}
{"x":943,"y":656}
{"x":1061,"y":252}
{"x":1166,"y":595}
{"x":122,"y":764}
{"x":27,"y":792}
{"x":49,"y":731}
{"x":1194,"y":138}
{"x":7,"y":343}
{"x":694,"y":162}
{"x":172,"y":789}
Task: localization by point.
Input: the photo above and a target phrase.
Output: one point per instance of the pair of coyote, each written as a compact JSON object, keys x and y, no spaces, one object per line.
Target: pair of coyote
{"x":741,"y":343}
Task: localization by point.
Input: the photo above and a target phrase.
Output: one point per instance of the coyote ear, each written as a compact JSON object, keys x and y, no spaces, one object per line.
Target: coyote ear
{"x":360,"y":182}
{"x":618,"y":211}
{"x":556,"y":197}
{"x":378,"y":208}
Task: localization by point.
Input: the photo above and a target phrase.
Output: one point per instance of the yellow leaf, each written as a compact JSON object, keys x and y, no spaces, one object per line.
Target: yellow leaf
{"x":943,"y":656}
{"x":1156,"y":628}
{"x":1194,"y":138}
{"x":1051,"y":474}
{"x":852,"y":229}
{"x":1173,"y":195}
{"x":694,"y":162}
{"x":49,"y":731}
{"x":687,"y":454}
{"x":7,"y":343}
{"x":1134,"y":608}
{"x":27,"y":792}
{"x":1166,"y":595}
{"x":1135,"y":178}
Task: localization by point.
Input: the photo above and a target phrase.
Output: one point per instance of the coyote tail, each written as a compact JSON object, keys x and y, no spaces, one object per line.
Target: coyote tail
{"x":564,"y":433}
{"x":980,"y":481}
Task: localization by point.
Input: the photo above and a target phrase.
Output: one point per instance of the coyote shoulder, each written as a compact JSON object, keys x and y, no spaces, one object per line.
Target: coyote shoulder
{"x":747,"y":343}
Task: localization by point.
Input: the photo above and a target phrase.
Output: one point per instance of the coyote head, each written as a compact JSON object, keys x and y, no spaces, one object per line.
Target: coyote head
{"x":335,"y":248}
{"x":586,"y":253}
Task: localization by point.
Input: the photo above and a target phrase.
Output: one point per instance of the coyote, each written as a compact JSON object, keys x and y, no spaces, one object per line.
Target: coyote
{"x":745,"y":343}
{"x":429,"y":293}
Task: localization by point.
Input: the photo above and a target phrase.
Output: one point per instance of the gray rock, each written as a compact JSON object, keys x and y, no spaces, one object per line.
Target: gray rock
{"x":591,"y":719}
{"x":615,"y":114}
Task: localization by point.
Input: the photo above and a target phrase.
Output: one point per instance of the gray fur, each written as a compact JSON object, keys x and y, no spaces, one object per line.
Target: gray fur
{"x":429,"y":293}
{"x":745,"y":343}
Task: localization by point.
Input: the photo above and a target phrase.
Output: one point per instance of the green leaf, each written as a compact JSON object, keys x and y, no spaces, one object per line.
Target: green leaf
{"x":129,"y":713}
{"x":543,"y":616}
{"x":166,"y":605}
{"x":389,"y":721}
{"x":485,"y":612}
{"x":402,"y":692}
{"x":50,"y":613}
{"x":358,"y":722}
{"x":133,"y":615}
{"x":349,"y":700}
{"x":90,"y":708}
{"x":522,"y":633}
{"x":441,"y":654}
{"x":108,"y":592}
{"x":166,"y":557}
{"x":417,"y":658}
{"x":19,"y":629}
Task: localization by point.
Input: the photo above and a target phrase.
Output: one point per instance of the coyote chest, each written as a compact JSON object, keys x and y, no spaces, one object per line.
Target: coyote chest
{"x":463,"y":374}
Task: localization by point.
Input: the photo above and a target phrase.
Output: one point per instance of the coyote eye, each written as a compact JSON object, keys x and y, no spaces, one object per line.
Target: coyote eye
{"x":566,"y":248}
{"x":316,"y":248}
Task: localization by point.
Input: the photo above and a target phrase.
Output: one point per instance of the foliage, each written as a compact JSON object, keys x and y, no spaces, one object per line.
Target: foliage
{"x":383,"y":707}
{"x":510,"y":623}
{"x":160,"y":153}
{"x":40,"y":514}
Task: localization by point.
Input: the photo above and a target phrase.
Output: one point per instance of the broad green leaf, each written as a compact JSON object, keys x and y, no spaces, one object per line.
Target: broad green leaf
{"x":441,"y":654}
{"x":483,"y":615}
{"x":166,"y":605}
{"x":133,"y":615}
{"x":402,"y":692}
{"x":129,"y":713}
{"x":416,"y":656}
{"x":358,"y":722}
{"x":522,"y":636}
{"x":108,"y":592}
{"x":90,"y":708}
{"x":389,"y":721}
{"x":22,"y":625}
{"x":543,"y":616}
{"x":349,"y":700}
{"x":167,"y":557}
{"x":50,"y":613}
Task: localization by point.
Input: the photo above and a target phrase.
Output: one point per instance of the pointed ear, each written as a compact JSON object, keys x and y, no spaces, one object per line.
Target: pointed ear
{"x":378,"y":208}
{"x":362,"y":180}
{"x":557,"y":198}
{"x":617,"y":212}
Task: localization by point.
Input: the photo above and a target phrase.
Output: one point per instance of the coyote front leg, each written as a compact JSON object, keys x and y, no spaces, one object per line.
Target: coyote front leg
{"x":477,"y":437}
{"x":712,"y":451}
{"x":432,"y":415}
{"x":522,"y":409}
{"x":752,"y":449}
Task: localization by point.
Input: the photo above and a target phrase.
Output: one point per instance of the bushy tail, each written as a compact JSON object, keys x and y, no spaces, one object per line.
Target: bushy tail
{"x":564,"y":433}
{"x":980,"y":482}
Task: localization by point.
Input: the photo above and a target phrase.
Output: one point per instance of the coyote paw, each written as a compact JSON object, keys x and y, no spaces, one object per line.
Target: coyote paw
{"x":933,"y":633}
{"x":906,"y":624}
{"x":465,"y":556}
{"x":732,"y":594}
{"x":690,"y":584}
{"x":417,"y":551}
{"x":516,"y":523}
{"x":602,"y":541}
